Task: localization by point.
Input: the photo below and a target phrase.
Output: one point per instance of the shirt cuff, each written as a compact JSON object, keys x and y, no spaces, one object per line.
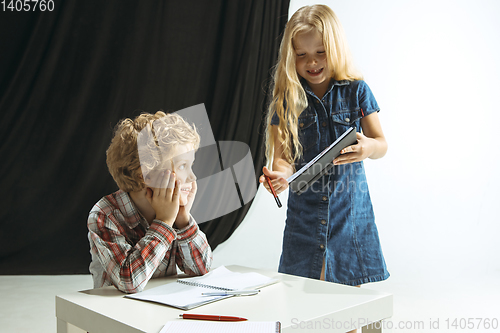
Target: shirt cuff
{"x":163,"y":231}
{"x":189,"y":232}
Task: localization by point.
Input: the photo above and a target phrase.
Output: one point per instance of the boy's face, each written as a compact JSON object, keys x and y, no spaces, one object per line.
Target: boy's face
{"x":182,"y":164}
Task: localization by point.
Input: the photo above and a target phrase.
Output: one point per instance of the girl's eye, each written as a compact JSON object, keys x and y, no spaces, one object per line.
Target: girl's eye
{"x":301,"y":55}
{"x":320,"y":52}
{"x":182,"y":167}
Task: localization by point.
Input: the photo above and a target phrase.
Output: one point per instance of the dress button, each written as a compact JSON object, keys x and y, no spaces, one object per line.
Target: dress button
{"x":322,"y":247}
{"x":301,"y":125}
{"x":323,"y":124}
{"x":325,"y":198}
{"x":323,"y":222}
{"x":347,"y":119}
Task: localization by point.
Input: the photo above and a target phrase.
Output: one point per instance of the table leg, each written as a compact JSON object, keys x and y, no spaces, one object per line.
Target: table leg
{"x":62,"y":326}
{"x":375,"y":327}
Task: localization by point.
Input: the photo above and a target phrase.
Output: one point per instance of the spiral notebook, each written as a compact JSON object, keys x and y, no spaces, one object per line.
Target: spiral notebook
{"x":186,"y":293}
{"x":221,"y":327}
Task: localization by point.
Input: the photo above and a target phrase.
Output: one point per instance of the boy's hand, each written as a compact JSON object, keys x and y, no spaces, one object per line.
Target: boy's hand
{"x":356,"y":153}
{"x":182,"y":219}
{"x":278,"y":180}
{"x":165,"y":198}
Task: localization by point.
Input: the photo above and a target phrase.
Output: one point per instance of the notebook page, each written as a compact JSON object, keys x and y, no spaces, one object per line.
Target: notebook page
{"x":187,"y":296}
{"x":175,"y":294}
{"x":226,"y":279}
{"x":219,"y":327}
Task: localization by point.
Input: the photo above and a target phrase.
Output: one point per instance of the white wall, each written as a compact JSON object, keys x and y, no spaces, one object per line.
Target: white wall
{"x":257,"y":241}
{"x":433,"y":67}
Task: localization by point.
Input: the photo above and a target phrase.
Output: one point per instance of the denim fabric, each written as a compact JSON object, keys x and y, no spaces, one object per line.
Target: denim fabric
{"x":334,"y":219}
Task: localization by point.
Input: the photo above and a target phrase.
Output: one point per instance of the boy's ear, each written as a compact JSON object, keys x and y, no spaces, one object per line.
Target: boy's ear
{"x":141,"y":179}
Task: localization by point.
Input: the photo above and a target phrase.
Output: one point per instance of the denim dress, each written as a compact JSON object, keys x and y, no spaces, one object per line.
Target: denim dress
{"x":334,"y":218}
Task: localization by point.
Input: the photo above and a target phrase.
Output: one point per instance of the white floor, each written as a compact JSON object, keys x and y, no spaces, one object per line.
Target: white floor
{"x":430,"y":299}
{"x":27,"y":303}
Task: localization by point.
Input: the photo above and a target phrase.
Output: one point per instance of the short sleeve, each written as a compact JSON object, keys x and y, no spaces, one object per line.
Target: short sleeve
{"x":275,"y":120}
{"x":366,"y":99}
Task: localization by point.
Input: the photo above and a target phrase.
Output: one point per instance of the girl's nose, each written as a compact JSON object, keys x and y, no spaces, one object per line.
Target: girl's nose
{"x":312,"y":61}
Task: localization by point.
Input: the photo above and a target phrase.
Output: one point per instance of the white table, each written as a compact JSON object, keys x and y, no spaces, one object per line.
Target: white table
{"x":300,"y":304}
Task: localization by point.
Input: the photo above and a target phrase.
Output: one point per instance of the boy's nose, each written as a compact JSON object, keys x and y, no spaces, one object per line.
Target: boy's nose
{"x":191,"y":177}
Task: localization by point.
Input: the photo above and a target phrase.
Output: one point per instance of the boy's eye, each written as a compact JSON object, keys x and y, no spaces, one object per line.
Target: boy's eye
{"x":182,"y":166}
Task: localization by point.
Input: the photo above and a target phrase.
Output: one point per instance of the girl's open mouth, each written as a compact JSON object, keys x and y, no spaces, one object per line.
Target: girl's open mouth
{"x":314,"y":72}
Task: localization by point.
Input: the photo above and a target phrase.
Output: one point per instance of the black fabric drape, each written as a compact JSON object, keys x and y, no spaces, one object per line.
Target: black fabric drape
{"x":68,"y":76}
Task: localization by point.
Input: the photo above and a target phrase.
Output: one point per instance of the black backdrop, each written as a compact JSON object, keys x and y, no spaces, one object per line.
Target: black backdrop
{"x":67,"y":77}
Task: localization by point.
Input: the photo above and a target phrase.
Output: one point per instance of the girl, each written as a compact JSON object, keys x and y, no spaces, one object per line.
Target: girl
{"x":330,"y":231}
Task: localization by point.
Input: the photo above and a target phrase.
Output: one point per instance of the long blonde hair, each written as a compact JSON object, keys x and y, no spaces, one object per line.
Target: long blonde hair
{"x":289,"y":98}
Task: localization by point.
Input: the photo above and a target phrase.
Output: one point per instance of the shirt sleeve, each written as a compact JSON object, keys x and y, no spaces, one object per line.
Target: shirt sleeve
{"x":366,"y":99}
{"x":129,"y":267}
{"x":194,"y":255}
{"x":275,"y":120}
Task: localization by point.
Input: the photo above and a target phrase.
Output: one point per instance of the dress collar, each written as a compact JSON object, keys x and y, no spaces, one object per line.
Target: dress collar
{"x":330,"y":86}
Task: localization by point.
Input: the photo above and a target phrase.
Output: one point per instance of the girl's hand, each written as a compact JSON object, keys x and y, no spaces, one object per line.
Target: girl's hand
{"x":358,"y":152}
{"x":165,"y":198}
{"x":278,"y":180}
{"x":182,"y":219}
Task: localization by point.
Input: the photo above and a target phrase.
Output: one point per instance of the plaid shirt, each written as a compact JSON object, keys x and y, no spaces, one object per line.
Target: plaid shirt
{"x":127,"y":251}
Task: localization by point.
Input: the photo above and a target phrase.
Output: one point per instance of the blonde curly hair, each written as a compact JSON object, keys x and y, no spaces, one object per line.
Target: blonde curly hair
{"x":145,"y":143}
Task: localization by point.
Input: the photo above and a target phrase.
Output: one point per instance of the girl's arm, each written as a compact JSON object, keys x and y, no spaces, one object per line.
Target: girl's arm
{"x":371,"y":143}
{"x":281,"y":168}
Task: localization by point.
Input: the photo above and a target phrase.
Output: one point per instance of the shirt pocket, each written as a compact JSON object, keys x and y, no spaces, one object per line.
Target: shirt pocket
{"x":347,"y":117}
{"x":308,"y":131}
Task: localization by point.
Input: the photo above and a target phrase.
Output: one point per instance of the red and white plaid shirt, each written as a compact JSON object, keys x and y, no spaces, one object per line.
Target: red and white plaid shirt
{"x":127,"y":251}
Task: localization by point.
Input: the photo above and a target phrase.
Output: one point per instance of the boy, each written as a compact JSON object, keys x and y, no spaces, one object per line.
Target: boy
{"x":144,"y":229}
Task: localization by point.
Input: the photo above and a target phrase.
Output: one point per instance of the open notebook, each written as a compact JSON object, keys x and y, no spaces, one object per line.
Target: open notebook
{"x":221,"y":327}
{"x":186,"y":293}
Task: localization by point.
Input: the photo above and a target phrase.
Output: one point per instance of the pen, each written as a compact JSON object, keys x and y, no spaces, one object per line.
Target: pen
{"x":274,"y":192}
{"x":233,"y":292}
{"x":210,"y":317}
